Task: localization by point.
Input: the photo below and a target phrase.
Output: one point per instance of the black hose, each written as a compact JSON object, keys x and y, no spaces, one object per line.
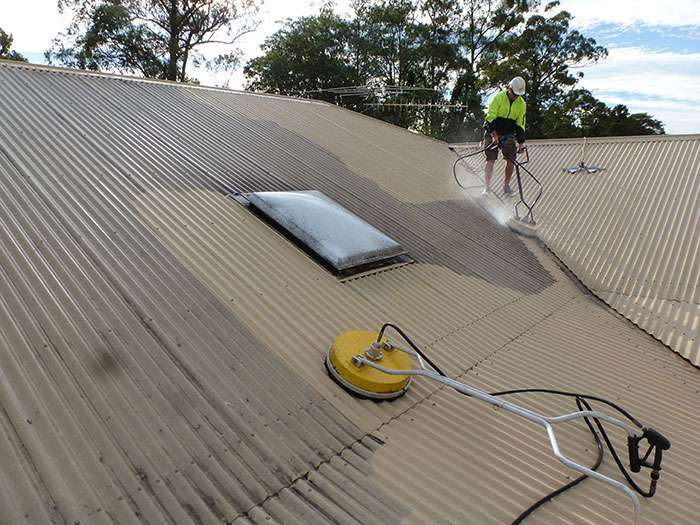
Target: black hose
{"x":571,"y":394}
{"x":632,"y":483}
{"x":412,"y":345}
{"x":581,"y":401}
{"x":611,"y":448}
{"x":466,"y":156}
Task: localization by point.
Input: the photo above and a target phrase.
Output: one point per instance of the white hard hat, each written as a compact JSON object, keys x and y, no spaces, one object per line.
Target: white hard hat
{"x":518,"y":85}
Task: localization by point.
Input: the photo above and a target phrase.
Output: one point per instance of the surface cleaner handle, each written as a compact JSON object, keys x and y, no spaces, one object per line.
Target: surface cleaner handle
{"x":527,"y":155}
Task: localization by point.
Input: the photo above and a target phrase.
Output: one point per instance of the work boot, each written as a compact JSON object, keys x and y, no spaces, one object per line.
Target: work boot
{"x":507,"y":190}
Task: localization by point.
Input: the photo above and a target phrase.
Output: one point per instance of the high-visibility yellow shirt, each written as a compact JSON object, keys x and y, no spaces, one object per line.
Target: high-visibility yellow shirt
{"x":505,"y":117}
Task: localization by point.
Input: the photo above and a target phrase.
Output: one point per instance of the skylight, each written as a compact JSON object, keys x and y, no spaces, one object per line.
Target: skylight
{"x":340,"y":239}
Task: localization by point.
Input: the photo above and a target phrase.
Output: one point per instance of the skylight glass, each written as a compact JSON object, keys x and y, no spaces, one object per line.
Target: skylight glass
{"x":338,"y":237}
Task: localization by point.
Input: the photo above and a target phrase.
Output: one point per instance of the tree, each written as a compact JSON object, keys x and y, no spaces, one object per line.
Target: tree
{"x":545,"y":54}
{"x":579,"y":114}
{"x":481,"y":26}
{"x":621,"y":122}
{"x":306,"y":55}
{"x":397,"y":44}
{"x":5,"y":45}
{"x":375,"y":49}
{"x":387,"y":38}
{"x":439,"y":57}
{"x":430,"y":63}
{"x":153,"y":38}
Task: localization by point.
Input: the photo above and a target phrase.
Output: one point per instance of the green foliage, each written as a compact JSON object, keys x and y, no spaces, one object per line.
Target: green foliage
{"x":428,"y":64}
{"x":307,"y":54}
{"x":477,"y":27}
{"x":458,"y":51}
{"x":5,"y":52}
{"x":545,"y":53}
{"x":389,"y":43}
{"x":112,"y":42}
{"x":577,"y":113}
{"x":621,"y":122}
{"x":153,"y":38}
{"x":388,"y":38}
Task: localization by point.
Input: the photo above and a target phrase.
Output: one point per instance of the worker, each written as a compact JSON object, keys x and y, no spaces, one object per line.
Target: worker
{"x":505,"y":125}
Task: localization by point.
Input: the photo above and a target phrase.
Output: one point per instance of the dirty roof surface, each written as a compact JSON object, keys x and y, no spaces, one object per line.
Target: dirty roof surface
{"x":162,"y":348}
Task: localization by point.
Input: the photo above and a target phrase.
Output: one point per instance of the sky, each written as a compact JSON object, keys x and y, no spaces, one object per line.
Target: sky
{"x":653,"y":64}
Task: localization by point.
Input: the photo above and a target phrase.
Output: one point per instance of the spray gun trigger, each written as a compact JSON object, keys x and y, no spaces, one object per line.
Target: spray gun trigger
{"x":657,"y":443}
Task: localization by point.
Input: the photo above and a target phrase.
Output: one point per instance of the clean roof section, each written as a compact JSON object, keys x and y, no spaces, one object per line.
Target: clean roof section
{"x":337,"y":236}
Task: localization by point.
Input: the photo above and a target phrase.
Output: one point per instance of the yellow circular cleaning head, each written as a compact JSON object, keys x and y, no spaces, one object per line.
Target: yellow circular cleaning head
{"x":366,"y":381}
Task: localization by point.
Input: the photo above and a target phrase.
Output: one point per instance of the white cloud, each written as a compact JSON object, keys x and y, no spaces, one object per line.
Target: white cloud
{"x":33,"y":23}
{"x":650,"y":73}
{"x":628,"y":12}
{"x":663,"y":84}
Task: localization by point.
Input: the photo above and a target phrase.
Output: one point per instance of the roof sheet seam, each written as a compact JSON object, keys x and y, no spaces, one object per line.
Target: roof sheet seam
{"x":315,"y":468}
{"x":612,"y":310}
{"x":646,"y":296}
{"x":518,"y":336}
{"x":474,"y":321}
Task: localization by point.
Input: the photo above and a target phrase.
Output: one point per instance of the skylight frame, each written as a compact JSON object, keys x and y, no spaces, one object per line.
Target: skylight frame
{"x":342,"y":242}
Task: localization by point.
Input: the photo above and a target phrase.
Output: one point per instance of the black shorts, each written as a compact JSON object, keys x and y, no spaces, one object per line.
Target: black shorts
{"x":508,"y":147}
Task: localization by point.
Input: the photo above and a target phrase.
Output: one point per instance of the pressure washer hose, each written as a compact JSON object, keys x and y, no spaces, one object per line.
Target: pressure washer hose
{"x":493,"y":145}
{"x":581,"y":402}
{"x":518,"y":166}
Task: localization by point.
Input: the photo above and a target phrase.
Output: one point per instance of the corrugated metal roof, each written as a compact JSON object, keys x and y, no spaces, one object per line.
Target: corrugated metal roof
{"x":161,"y":348}
{"x":631,"y":233}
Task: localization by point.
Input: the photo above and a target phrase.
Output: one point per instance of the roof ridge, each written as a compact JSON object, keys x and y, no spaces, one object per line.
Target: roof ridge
{"x":130,"y":78}
{"x":597,"y":140}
